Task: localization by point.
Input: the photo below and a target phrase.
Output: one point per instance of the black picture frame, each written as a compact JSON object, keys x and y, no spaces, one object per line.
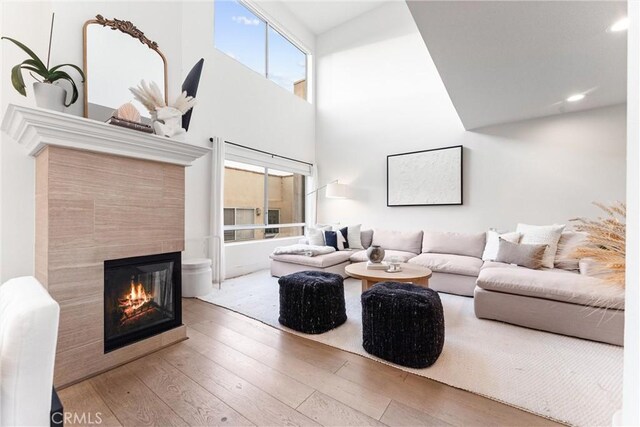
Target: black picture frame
{"x":461,"y":174}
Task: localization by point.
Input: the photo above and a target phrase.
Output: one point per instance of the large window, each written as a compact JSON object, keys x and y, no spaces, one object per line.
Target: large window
{"x":262,"y":203}
{"x":245,"y":36}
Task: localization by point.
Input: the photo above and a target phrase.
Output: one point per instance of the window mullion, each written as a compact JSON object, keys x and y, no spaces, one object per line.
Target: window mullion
{"x":266,"y":196}
{"x":266,"y":50}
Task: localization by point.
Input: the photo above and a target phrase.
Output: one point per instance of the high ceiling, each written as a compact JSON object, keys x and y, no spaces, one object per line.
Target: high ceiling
{"x":507,"y":61}
{"x":320,"y":16}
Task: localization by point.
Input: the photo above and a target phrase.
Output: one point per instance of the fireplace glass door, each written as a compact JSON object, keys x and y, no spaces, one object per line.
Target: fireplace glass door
{"x":141,"y":298}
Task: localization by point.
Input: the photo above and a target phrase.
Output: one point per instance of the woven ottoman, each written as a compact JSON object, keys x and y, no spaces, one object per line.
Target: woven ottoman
{"x":403,"y":323}
{"x":312,"y":301}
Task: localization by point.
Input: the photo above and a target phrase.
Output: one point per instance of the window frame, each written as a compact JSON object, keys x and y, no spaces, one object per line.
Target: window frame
{"x":274,"y":230}
{"x":235,"y":223}
{"x":265,"y":225}
{"x":285,"y":34}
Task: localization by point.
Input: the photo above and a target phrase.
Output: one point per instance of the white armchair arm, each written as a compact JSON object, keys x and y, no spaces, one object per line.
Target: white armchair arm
{"x":28,"y":336}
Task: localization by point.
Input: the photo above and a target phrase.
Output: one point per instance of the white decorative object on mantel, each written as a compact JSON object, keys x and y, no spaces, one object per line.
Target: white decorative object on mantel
{"x":169,"y":123}
{"x":35,"y":128}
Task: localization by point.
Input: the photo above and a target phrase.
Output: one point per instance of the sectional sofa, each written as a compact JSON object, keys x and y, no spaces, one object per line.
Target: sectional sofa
{"x":561,"y":300}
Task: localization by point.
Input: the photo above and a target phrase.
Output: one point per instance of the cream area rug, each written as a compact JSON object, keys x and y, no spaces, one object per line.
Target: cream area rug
{"x":567,"y":379}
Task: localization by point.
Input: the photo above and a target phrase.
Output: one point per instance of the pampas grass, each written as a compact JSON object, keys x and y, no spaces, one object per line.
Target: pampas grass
{"x":605,"y":242}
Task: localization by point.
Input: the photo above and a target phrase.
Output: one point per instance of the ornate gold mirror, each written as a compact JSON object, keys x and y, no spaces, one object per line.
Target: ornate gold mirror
{"x":117,"y":55}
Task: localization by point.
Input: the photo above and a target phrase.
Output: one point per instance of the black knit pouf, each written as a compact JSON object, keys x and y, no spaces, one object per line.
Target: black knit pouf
{"x":403,"y":323}
{"x":312,"y":301}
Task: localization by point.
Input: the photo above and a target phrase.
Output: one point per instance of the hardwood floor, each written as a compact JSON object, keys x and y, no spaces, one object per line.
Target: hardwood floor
{"x":235,"y":371}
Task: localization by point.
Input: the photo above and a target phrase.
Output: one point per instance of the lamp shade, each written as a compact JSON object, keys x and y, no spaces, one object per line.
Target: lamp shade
{"x":336,"y":191}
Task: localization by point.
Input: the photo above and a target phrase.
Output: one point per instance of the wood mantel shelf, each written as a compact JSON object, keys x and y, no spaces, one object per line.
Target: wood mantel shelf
{"x":35,"y":128}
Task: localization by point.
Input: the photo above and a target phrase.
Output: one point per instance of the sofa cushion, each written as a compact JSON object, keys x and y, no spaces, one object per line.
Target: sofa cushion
{"x":553,"y":284}
{"x":529,"y":256}
{"x":542,"y":235}
{"x":496,"y":264}
{"x":493,"y":243}
{"x":448,"y":263}
{"x":569,"y":242}
{"x":406,"y":241}
{"x":320,"y":261}
{"x":315,"y":235}
{"x":447,"y":242}
{"x":361,"y":256}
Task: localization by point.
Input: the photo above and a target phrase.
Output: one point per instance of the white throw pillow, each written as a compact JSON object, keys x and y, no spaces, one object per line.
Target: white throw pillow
{"x":315,"y":235}
{"x":341,"y":240}
{"x":542,"y":235}
{"x":353,"y":236}
{"x":493,"y":242}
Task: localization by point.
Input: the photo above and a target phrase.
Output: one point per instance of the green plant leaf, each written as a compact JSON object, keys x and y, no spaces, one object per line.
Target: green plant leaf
{"x":29,"y":52}
{"x":78,"y":69}
{"x":41,"y":71}
{"x":17,"y":81}
{"x":28,"y":64}
{"x":61,"y":75}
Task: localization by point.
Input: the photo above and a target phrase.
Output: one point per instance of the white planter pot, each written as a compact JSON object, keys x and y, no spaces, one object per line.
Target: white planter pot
{"x":49,"y":96}
{"x":196,"y":277}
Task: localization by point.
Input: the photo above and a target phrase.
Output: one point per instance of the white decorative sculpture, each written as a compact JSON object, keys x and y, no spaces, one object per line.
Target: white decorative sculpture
{"x":168,"y":122}
{"x":167,"y":119}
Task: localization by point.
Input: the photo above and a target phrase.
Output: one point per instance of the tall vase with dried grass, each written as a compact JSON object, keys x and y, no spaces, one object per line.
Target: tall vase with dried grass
{"x":605,"y":242}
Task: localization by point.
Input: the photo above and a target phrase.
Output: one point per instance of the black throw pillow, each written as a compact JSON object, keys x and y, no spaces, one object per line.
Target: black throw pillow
{"x":331,"y":239}
{"x":345,"y":233}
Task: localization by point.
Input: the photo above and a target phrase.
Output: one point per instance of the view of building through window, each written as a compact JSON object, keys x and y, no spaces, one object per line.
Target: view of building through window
{"x":268,"y":199}
{"x":249,"y":39}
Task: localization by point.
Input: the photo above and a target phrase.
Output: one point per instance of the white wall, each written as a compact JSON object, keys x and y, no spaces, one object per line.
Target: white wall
{"x":239,"y":105}
{"x":234,"y":103}
{"x":247,"y":257}
{"x":17,"y":185}
{"x":29,"y":22}
{"x":379,"y":93}
{"x":631,"y":390}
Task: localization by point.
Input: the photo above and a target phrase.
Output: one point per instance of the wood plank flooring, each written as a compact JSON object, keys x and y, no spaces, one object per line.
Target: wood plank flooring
{"x":235,"y":371}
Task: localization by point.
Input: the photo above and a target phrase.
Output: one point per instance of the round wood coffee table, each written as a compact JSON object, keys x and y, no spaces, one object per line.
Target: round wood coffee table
{"x":410,"y":273}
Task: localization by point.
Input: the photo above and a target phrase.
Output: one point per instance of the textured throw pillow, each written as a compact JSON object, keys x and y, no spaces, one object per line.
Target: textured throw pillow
{"x":315,"y":235}
{"x":331,"y":239}
{"x":542,"y":235}
{"x":353,"y":237}
{"x":525,"y":255}
{"x":493,"y":237}
{"x":335,"y":239}
{"x":345,"y":233}
{"x":569,"y":242}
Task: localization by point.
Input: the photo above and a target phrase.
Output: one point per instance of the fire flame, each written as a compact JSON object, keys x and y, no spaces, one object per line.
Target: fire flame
{"x":137,"y":297}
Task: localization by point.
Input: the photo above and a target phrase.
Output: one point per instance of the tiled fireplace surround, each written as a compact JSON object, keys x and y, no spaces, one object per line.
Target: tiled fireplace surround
{"x":93,"y":206}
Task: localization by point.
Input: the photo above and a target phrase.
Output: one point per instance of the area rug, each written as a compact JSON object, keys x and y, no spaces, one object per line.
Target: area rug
{"x":567,"y":379}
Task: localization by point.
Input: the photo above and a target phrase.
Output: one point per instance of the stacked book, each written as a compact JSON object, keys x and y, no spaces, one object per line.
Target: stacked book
{"x":377,"y":265}
{"x":130,"y":124}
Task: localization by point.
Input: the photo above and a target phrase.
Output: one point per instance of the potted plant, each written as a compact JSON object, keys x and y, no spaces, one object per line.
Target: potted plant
{"x":48,"y":94}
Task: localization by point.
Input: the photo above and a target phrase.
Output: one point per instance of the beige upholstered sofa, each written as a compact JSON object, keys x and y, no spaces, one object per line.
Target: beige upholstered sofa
{"x":554,"y":300}
{"x":557,"y":300}
{"x":454,"y":258}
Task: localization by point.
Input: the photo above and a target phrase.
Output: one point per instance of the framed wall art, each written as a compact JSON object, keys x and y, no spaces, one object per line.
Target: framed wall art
{"x":425,"y":178}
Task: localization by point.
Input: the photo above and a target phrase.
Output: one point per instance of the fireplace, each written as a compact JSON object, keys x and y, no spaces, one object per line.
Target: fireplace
{"x":142,"y":298}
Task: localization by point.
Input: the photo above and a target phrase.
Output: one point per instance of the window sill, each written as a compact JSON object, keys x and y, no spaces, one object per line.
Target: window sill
{"x":250,"y":242}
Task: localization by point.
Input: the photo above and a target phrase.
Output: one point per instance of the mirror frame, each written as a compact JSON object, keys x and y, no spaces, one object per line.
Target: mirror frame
{"x":125,"y":27}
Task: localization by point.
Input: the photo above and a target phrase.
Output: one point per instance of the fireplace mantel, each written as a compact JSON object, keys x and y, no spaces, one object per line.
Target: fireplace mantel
{"x":36,"y":128}
{"x":102,"y":193}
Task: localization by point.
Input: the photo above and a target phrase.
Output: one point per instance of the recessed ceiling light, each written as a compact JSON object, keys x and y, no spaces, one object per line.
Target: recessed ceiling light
{"x":620,"y":25}
{"x":576,"y":97}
